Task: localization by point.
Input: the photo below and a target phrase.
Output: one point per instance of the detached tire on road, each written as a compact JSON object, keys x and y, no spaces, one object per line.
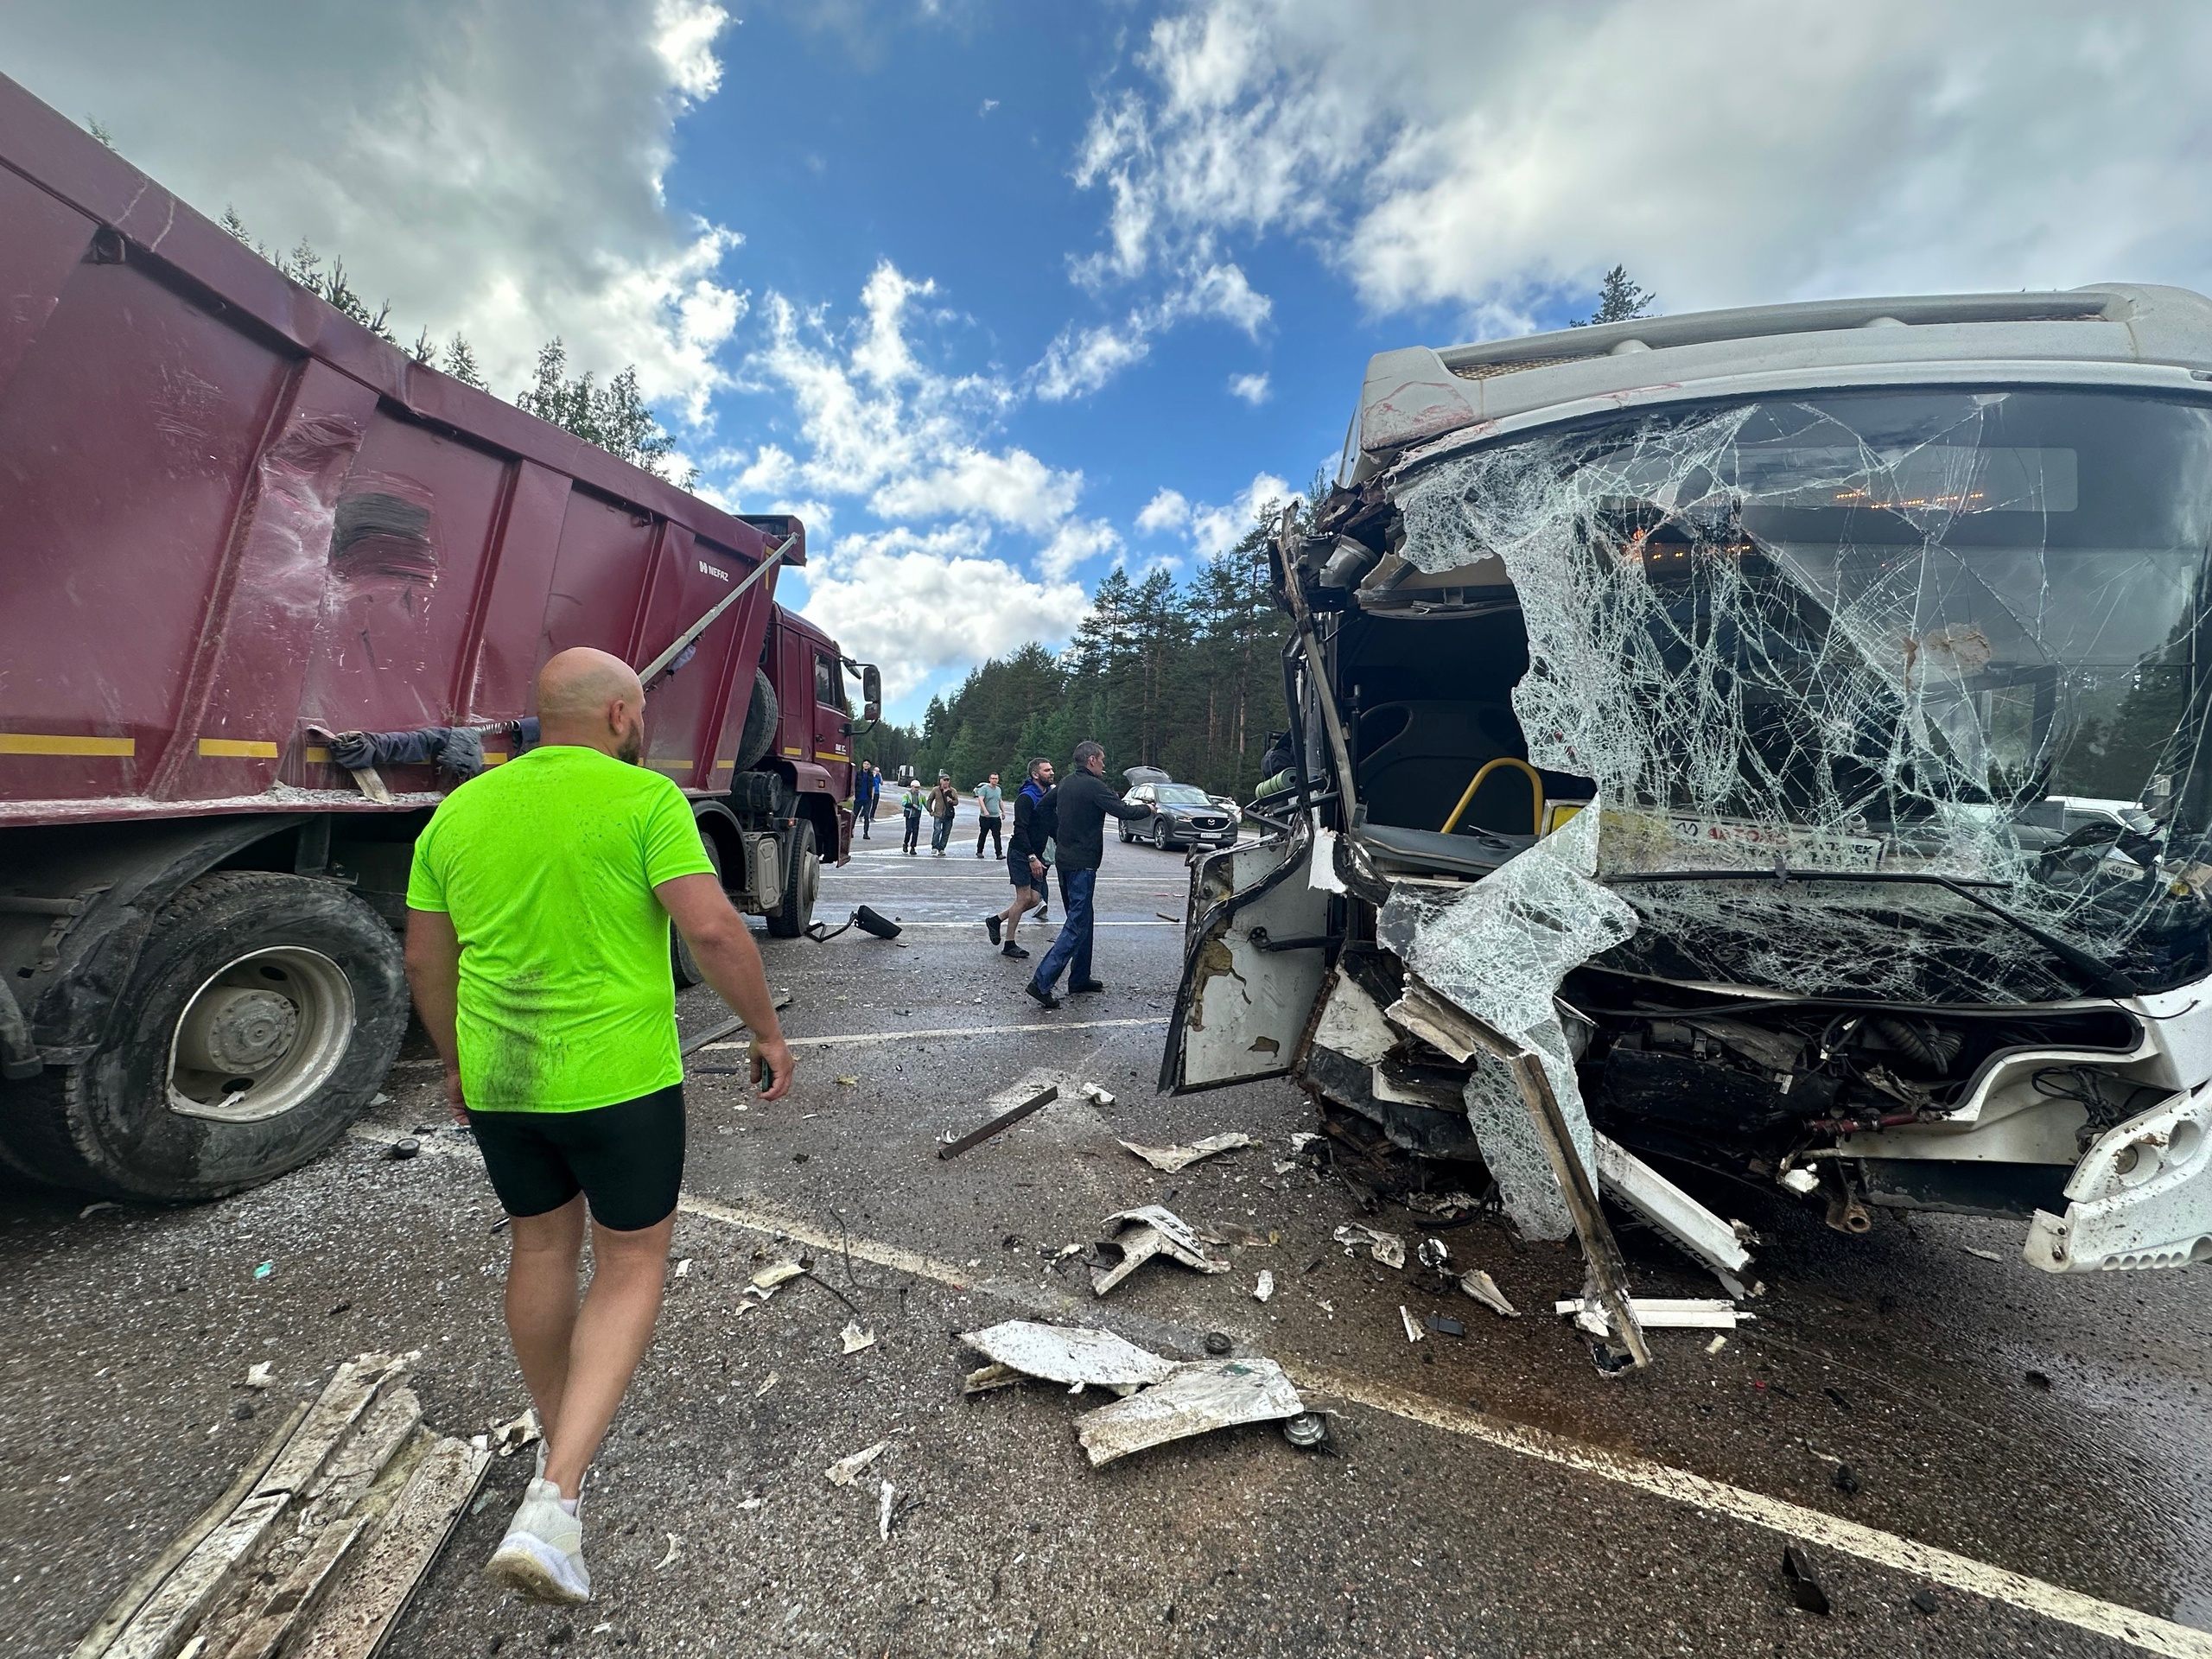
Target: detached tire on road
{"x":802,"y":881}
{"x":263,"y":1014}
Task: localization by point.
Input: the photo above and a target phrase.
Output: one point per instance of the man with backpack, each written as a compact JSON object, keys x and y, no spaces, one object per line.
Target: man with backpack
{"x":1025,"y":856}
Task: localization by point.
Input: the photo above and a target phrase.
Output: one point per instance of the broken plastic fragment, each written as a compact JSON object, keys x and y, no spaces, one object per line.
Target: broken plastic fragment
{"x":1148,"y":1231}
{"x":845,"y":1471}
{"x":1413,"y":1332}
{"x":883,"y":1511}
{"x":1483,"y":1288}
{"x":1199,"y":1397}
{"x":1656,"y":1313}
{"x":261,"y":1376}
{"x":1171,"y":1158}
{"x":856,"y":1339}
{"x":1387,"y":1248}
{"x":1265,"y":1287}
{"x":775,"y":1273}
{"x":1069,"y":1354}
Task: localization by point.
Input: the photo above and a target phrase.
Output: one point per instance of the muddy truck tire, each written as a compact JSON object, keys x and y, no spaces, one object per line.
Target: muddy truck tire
{"x":683,"y":966}
{"x":263,"y":1014}
{"x":802,"y":880}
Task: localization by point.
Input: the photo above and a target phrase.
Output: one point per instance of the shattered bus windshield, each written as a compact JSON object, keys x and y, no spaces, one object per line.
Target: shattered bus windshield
{"x":1868,"y":632}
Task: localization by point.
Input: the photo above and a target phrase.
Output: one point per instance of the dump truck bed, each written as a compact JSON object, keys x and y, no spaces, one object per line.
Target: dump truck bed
{"x":230,"y":518}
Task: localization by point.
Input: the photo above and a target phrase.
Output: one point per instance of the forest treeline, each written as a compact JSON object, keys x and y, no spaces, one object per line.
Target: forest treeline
{"x":1186,"y":677}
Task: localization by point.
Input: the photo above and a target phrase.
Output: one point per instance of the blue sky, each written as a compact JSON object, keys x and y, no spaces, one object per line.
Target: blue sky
{"x":998,"y":294}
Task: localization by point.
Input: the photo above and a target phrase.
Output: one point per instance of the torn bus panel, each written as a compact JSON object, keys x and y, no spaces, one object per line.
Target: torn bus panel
{"x":1790,"y":726}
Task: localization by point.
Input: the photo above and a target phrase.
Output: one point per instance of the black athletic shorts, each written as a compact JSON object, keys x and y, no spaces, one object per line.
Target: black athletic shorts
{"x":626,"y":1159}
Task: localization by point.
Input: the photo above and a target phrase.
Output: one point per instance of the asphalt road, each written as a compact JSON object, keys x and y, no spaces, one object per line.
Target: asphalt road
{"x":1484,"y":1494}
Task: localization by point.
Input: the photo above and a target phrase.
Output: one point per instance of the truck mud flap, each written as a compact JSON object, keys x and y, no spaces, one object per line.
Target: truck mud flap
{"x":1254,"y":962}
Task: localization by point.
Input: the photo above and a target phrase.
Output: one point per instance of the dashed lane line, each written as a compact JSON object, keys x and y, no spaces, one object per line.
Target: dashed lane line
{"x":1883,"y":1549}
{"x":857,"y":1038}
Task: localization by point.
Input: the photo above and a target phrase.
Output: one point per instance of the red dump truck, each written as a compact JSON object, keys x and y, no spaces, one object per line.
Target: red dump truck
{"x":237,"y":532}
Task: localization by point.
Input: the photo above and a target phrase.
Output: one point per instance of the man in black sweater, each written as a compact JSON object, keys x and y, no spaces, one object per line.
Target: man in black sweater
{"x":1080,"y":807}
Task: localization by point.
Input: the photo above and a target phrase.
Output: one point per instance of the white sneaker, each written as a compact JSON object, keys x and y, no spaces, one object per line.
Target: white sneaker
{"x":542,"y":1554}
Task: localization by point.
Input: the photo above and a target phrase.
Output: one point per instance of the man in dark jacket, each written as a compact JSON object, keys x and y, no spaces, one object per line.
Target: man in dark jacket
{"x":1080,"y":808}
{"x":1025,"y":855}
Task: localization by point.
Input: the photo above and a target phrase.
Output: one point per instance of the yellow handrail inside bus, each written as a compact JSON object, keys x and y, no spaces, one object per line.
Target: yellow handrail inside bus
{"x":1536,"y":784}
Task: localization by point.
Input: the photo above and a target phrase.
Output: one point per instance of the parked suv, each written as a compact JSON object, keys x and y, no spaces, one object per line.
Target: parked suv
{"x":1183,"y":815}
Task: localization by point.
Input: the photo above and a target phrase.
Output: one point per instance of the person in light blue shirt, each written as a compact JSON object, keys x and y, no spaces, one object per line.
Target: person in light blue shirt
{"x":988,"y":803}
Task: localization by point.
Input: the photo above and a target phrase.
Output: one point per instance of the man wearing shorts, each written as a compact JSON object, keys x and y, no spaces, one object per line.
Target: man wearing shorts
{"x":1025,"y":856}
{"x":538,"y":950}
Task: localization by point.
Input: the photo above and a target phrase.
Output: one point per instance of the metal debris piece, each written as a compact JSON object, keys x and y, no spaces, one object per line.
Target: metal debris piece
{"x":1659,"y":1312}
{"x":1265,"y":1287}
{"x":1987,"y":1256}
{"x":1413,"y":1332}
{"x":1099,"y":1098}
{"x":675,"y":1553}
{"x":890,"y":1496}
{"x":1432,"y":1253}
{"x":1304,"y":1139}
{"x":1704,"y":1235}
{"x":1199,"y":1397}
{"x":1172,"y":1159}
{"x":1149,"y":1231}
{"x":1441,"y":1204}
{"x":508,"y":1438}
{"x":1716,"y":1345}
{"x":1218,"y":1343}
{"x":1306,"y":1431}
{"x":683,"y":1268}
{"x":1066,"y":1354}
{"x":1483,"y":1288}
{"x":984,"y":1378}
{"x":1798,"y":1578}
{"x":404,"y":1148}
{"x":1445,"y":1327}
{"x":768,"y":1382}
{"x":1012,"y":1105}
{"x":775,"y":1273}
{"x":1387,"y":1248}
{"x":261,"y":1376}
{"x":845,"y":1471}
{"x":856,"y":1339}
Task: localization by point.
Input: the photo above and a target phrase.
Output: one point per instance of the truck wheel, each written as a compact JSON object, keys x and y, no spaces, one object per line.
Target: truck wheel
{"x":802,"y":880}
{"x":761,"y":715}
{"x":682,"y":963}
{"x":261,"y":1014}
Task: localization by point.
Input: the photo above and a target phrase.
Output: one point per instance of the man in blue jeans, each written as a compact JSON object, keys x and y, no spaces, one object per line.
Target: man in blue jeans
{"x":1082,"y":804}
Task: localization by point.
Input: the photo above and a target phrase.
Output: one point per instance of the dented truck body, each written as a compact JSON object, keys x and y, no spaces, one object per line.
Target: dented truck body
{"x":1782,"y":733}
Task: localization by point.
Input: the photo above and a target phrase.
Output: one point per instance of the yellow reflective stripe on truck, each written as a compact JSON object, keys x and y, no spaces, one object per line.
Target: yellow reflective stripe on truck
{"x":39,"y":743}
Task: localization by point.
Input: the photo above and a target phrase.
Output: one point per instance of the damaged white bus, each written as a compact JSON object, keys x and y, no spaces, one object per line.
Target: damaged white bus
{"x":1767,"y":741}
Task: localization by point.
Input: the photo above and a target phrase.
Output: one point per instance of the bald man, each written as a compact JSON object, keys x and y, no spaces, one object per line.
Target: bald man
{"x":538,"y":949}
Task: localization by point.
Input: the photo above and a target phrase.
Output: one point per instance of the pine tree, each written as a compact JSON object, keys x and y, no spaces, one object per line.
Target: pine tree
{"x":1619,"y":299}
{"x":460,"y":364}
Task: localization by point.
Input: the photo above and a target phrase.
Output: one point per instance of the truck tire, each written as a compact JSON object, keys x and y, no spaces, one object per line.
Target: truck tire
{"x":261,"y":1014}
{"x":802,"y":880}
{"x":682,"y":963}
{"x":762,"y":715}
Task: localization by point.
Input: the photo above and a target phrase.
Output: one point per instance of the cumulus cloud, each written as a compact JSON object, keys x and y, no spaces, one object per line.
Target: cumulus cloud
{"x":921,"y":603}
{"x":1482,"y":155}
{"x":493,"y":167}
{"x":883,"y":432}
{"x":1252,"y":388}
{"x":1079,"y":362}
{"x":1168,"y":510}
{"x":1216,"y":530}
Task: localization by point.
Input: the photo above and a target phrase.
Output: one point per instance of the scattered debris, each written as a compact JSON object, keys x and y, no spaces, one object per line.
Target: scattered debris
{"x":1099,"y":1098}
{"x":1413,"y":1332}
{"x":1218,"y":1343}
{"x":1802,"y":1181}
{"x":1483,"y":1288}
{"x":1387,"y":1248}
{"x":845,"y":1471}
{"x":2038,"y":1379}
{"x":1797,"y":1577}
{"x":318,"y":1544}
{"x":683,"y":1268}
{"x":1264,"y":1288}
{"x":264,"y":1270}
{"x":1442,"y":1203}
{"x":508,"y":1438}
{"x":775,"y":1274}
{"x":1702,"y":1235}
{"x":984,"y":1378}
{"x":1987,"y":1256}
{"x":1306,"y":1431}
{"x":856,"y":1339}
{"x":675,"y":1553}
{"x":849,"y":1083}
{"x":1432,"y":1253}
{"x":883,"y":1511}
{"x":1149,"y":1231}
{"x":1925,"y":1602}
{"x":1304,"y":1139}
{"x":1658,"y":1312}
{"x":1037,"y":1089}
{"x":1445,"y":1327}
{"x":1199,"y":1397}
{"x":1172,"y":1159}
{"x":94,"y":1208}
{"x":766,"y":1383}
{"x":404,"y":1148}
{"x":261,"y":1376}
{"x":1845,"y":1479}
{"x":1716,"y":1345}
{"x":1071,"y":1355}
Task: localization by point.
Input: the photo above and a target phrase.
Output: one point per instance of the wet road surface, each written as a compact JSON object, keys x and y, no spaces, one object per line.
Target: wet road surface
{"x":2053,"y":1430}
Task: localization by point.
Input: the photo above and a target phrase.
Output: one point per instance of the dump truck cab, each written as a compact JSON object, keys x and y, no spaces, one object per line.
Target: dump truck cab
{"x":1787,"y":725}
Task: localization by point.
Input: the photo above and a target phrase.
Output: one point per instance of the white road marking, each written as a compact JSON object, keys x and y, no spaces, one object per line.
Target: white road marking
{"x":860,"y":1037}
{"x":1870,"y":1544}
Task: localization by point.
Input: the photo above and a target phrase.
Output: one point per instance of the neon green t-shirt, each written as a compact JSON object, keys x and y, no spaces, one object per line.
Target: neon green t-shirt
{"x":547,"y":866}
